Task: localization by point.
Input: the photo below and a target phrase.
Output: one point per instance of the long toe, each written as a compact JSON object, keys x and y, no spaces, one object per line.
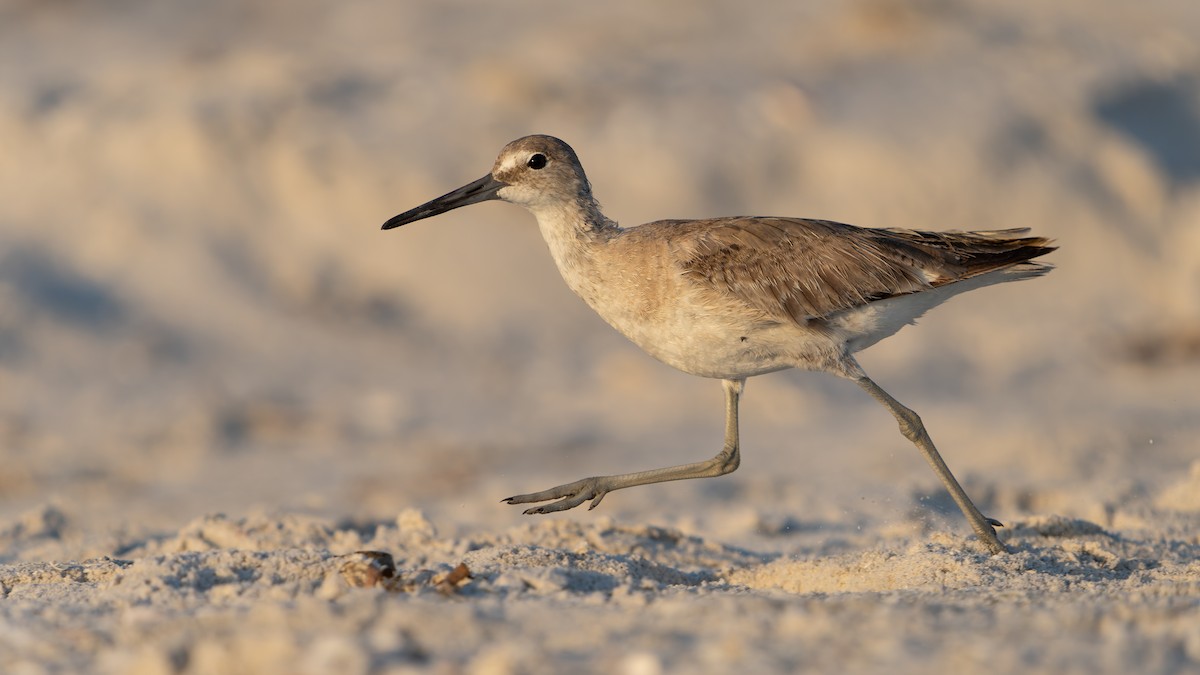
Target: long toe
{"x":561,"y":505}
{"x":544,"y":495}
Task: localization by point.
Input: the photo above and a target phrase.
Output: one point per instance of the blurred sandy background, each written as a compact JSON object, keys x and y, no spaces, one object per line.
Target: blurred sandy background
{"x":199,"y":315}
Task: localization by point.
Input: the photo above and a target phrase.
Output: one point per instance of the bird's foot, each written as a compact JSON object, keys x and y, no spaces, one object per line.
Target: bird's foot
{"x":569,"y":495}
{"x":987,"y":535}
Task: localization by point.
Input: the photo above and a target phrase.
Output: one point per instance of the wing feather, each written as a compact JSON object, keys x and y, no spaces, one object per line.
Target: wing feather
{"x":794,"y":269}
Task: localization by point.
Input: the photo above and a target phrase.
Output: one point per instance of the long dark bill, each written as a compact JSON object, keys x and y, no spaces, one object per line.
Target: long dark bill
{"x":479,"y":191}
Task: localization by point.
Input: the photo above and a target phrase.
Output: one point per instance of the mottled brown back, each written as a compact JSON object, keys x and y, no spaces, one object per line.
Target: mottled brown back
{"x":798,"y":269}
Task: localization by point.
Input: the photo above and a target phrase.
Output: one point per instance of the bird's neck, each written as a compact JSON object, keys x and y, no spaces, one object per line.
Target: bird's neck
{"x":574,"y":231}
{"x":572,"y":227}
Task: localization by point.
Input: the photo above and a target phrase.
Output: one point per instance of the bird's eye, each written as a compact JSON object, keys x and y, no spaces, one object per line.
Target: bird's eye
{"x":536,"y":161}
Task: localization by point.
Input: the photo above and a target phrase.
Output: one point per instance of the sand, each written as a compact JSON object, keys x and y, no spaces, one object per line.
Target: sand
{"x":244,"y":431}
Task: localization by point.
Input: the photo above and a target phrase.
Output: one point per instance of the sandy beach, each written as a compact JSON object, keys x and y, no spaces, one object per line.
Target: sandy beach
{"x":242,"y":430}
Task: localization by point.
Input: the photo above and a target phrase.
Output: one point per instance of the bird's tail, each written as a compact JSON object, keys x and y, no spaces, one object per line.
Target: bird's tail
{"x":970,"y":254}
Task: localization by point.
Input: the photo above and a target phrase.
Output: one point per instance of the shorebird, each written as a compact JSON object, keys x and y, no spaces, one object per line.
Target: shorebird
{"x":731,"y":298}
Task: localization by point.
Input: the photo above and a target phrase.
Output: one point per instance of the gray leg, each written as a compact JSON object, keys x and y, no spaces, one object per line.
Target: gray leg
{"x":914,"y":430}
{"x":594,"y":488}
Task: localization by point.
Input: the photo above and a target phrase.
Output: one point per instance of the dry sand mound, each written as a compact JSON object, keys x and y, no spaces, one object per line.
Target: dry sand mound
{"x":297,"y":594}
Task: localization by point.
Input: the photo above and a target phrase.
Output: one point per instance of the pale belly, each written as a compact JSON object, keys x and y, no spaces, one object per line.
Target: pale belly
{"x":722,"y":345}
